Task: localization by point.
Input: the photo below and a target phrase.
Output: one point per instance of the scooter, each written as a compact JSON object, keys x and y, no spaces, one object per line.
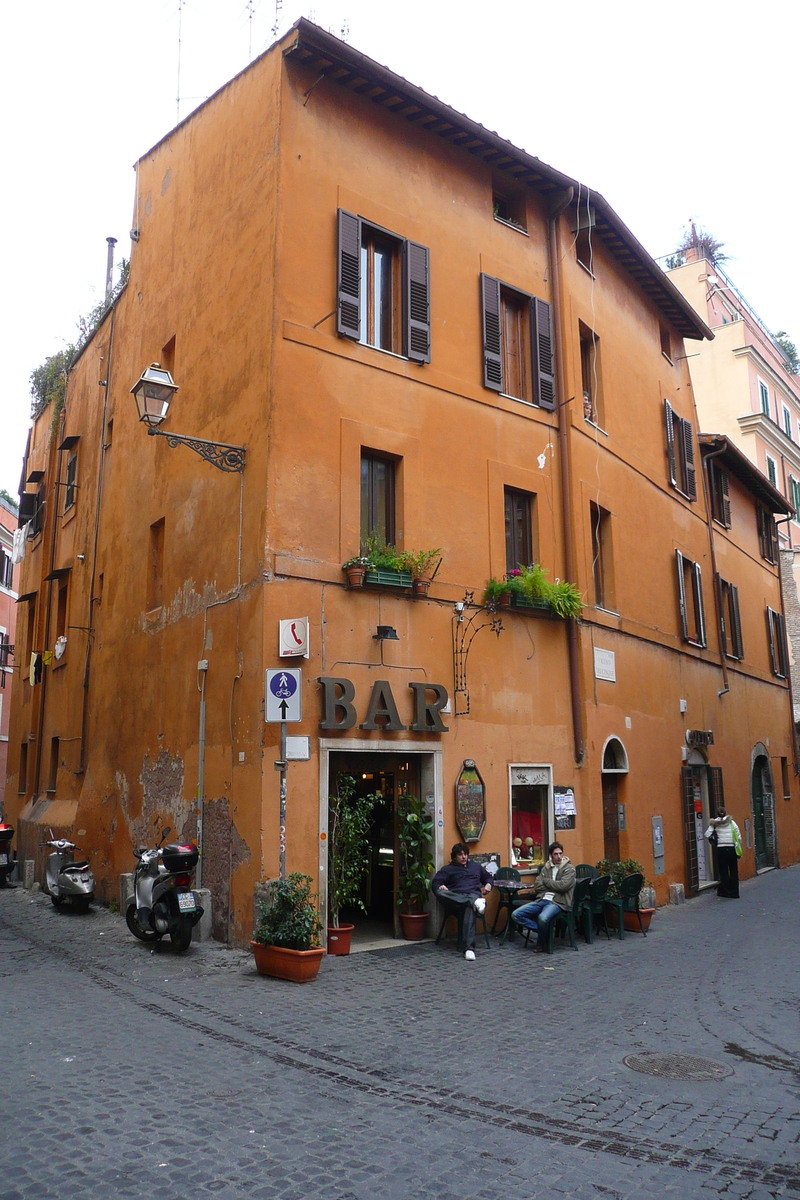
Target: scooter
{"x":6,"y":858}
{"x":66,"y":879}
{"x":163,"y":900}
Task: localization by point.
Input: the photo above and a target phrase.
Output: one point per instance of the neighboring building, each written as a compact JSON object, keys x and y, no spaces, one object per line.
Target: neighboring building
{"x":743,"y":388}
{"x":418,"y":332}
{"x":9,"y":580}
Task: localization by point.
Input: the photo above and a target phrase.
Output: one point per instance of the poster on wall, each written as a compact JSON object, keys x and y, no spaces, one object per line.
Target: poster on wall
{"x":564,"y":809}
{"x":470,"y":802}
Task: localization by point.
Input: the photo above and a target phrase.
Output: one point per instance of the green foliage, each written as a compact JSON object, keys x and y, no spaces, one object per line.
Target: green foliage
{"x":531,"y":583}
{"x":9,"y":499}
{"x":416,"y":861}
{"x":565,"y":599}
{"x":704,"y":244}
{"x":113,"y":905}
{"x":790,"y":350}
{"x":493,"y":590}
{"x":349,"y":820}
{"x":289,"y":917}
{"x":421,"y":563}
{"x":618,"y":871}
{"x":377,"y":555}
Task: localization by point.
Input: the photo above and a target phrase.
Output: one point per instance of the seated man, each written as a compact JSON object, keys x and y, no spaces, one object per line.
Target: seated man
{"x":554,"y":887}
{"x":459,"y":885}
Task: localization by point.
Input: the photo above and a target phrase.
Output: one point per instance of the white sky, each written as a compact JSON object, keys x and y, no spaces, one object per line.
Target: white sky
{"x":670,"y":110}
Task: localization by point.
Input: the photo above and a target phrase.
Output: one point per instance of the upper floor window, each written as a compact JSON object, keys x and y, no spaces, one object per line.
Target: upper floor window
{"x":719,"y":488}
{"x":517,"y":344}
{"x":772,"y":471}
{"x":602,"y":560}
{"x":511,"y":210}
{"x":767,"y":534}
{"x":794,"y":497}
{"x":69,"y":490}
{"x":519,"y":528}
{"x":787,"y":421}
{"x":382,"y":289}
{"x":763,"y":392}
{"x":590,"y":375}
{"x":778,"y":650}
{"x":377,"y":499}
{"x":6,"y":569}
{"x":690,"y":593}
{"x":731,"y":622}
{"x":680,"y":452}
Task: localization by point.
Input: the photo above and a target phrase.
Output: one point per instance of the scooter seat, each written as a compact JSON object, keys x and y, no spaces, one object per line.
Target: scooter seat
{"x":76,"y":866}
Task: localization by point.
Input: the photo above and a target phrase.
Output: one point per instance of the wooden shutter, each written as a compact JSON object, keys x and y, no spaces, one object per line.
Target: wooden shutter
{"x":348,"y":276}
{"x":544,"y":377}
{"x":760,"y":514}
{"x":418,"y":302}
{"x":716,"y":796}
{"x":773,"y":538}
{"x":772,"y":647}
{"x":673,"y":478}
{"x":682,"y":595}
{"x":781,"y":648}
{"x":688,"y":455}
{"x":492,"y":346}
{"x":687,"y":787}
{"x":735,"y":620}
{"x":698,"y":599}
{"x":725,"y":498}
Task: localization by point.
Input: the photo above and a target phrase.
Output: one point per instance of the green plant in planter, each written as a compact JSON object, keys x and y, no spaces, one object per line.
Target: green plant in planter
{"x":493,"y":589}
{"x":358,"y":560}
{"x":349,"y":820}
{"x":565,"y":599}
{"x":618,"y":871}
{"x":531,"y":582}
{"x":289,"y":916}
{"x":421,"y":563}
{"x":415,"y":835}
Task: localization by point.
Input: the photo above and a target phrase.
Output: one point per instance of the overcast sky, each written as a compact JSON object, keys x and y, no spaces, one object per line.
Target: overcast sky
{"x":672,"y":110}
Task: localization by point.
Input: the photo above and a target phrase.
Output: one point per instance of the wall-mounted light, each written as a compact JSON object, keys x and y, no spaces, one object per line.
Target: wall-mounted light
{"x":153,"y":392}
{"x":386,"y":633}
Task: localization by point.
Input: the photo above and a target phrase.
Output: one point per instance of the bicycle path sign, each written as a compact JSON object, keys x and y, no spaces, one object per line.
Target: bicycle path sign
{"x":284,"y":693}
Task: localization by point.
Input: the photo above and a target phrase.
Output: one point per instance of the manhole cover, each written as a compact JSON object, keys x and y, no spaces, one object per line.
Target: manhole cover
{"x":676,"y":1066}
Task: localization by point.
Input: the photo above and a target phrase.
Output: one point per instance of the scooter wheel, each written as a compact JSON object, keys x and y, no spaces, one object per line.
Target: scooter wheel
{"x":144,"y":935}
{"x":81,"y":905}
{"x":181,"y":934}
{"x":56,"y":901}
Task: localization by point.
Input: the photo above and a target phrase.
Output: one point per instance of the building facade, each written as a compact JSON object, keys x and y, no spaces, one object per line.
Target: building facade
{"x":9,"y":579}
{"x":419,"y":334}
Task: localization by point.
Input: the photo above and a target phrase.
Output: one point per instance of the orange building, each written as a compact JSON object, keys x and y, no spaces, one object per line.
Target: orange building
{"x":417,"y":332}
{"x":9,"y":581}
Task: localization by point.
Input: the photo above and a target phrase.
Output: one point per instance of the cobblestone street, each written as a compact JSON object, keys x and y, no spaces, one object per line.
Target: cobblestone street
{"x":406,"y":1072}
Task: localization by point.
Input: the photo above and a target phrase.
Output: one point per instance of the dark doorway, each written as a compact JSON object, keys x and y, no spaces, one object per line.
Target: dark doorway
{"x":610,"y":818}
{"x":761,"y":797}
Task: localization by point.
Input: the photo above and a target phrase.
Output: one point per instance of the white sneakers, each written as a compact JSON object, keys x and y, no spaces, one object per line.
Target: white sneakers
{"x":469,"y":955}
{"x":479,"y":905}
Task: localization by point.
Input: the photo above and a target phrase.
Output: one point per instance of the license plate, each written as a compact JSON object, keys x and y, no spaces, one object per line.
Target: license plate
{"x":186,"y":902}
{"x":3,"y":860}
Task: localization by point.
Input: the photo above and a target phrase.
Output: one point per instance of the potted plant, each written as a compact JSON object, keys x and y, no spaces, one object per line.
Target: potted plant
{"x":286,"y":940}
{"x":415,"y":835}
{"x":423,"y":571}
{"x":356,"y":569}
{"x":496,"y":593}
{"x":618,"y":871}
{"x":349,"y":820}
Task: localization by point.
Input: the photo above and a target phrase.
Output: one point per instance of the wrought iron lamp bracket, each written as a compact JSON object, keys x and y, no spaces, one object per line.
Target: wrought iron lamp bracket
{"x":464,"y":630}
{"x":219,"y":454}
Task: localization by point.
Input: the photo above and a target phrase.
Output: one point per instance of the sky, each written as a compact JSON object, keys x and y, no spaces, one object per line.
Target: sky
{"x":672,"y":111}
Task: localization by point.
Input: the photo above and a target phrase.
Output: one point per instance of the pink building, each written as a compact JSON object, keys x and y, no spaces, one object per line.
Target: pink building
{"x":9,"y":587}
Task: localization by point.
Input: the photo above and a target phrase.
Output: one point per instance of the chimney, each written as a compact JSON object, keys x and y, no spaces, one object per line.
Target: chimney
{"x":110,"y":268}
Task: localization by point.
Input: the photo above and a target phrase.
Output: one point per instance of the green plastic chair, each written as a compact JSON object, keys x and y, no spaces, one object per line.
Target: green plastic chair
{"x":510,"y":905}
{"x":565,"y":918}
{"x":595,"y":906}
{"x":585,"y":871}
{"x":627,"y":901}
{"x":457,"y":911}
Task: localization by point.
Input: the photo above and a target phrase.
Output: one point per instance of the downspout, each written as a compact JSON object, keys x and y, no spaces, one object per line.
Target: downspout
{"x":566,"y":467}
{"x":795,"y":762}
{"x":92,"y":597}
{"x":717,"y":605}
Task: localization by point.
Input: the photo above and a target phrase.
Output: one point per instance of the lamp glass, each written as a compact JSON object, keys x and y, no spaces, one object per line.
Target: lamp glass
{"x":153,"y":393}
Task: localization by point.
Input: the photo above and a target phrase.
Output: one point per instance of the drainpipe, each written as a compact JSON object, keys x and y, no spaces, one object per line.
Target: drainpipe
{"x":559,"y":205}
{"x":795,"y":761}
{"x":717,"y":604}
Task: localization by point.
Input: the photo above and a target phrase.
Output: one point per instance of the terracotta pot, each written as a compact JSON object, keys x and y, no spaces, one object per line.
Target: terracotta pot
{"x":414,"y":925}
{"x":505,"y":600}
{"x":355,"y":576}
{"x":421,"y":589}
{"x":299,"y":966}
{"x":339,"y":939}
{"x":631,"y":922}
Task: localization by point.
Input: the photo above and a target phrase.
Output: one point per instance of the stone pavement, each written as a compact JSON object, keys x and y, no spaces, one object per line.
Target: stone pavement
{"x":405,"y":1073}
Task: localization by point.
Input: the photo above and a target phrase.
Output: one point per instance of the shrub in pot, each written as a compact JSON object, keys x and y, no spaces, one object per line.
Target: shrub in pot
{"x":415,"y":835}
{"x":423,"y":571}
{"x":349,"y":820}
{"x":286,"y":940}
{"x":618,"y":871}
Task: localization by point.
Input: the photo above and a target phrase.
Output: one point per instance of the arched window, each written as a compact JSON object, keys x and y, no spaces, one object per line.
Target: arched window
{"x":615,"y":757}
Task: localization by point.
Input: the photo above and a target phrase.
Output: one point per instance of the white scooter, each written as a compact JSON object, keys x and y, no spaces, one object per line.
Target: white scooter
{"x":66,"y":879}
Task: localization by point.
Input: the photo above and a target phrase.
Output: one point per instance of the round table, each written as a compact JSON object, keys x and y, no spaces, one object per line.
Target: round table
{"x":508,"y":888}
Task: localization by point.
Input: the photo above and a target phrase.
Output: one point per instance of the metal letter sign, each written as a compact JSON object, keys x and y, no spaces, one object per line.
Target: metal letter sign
{"x":284,"y":695}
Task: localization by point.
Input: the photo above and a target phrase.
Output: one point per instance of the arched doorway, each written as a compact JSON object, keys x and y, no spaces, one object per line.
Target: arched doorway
{"x":762,"y":794}
{"x":702,"y":796}
{"x":614,"y":765}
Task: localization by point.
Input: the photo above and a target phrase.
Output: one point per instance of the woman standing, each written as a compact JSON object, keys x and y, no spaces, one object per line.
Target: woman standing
{"x":723,"y":832}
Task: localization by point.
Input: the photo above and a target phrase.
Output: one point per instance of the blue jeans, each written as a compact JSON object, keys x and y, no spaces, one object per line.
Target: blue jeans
{"x":537,"y":915}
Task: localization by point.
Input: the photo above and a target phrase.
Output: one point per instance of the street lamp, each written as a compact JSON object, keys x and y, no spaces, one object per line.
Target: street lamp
{"x":153,"y":392}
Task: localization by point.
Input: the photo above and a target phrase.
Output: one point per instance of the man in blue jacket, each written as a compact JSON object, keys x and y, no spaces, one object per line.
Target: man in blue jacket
{"x":459,"y":885}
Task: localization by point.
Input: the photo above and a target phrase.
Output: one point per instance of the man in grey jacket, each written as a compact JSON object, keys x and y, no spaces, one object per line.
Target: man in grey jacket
{"x":554,"y":888}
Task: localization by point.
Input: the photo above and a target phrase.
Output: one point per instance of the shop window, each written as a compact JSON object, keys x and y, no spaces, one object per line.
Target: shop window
{"x":590,"y":375}
{"x":719,"y":488}
{"x":377,"y":499}
{"x":767,"y":534}
{"x":763,"y":394}
{"x":22,"y":780}
{"x":52,"y":776}
{"x":731,"y":622}
{"x":778,"y":650}
{"x":680,"y":453}
{"x":529,"y":823}
{"x":69,"y":490}
{"x":666,"y":348}
{"x":787,"y":791}
{"x":519,"y":508}
{"x":155,"y":573}
{"x":517,"y":344}
{"x":690,"y":592}
{"x":602,"y":557}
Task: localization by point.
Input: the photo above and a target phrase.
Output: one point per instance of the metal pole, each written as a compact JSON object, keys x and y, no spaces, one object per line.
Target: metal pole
{"x":283,"y":799}
{"x":201,"y":760}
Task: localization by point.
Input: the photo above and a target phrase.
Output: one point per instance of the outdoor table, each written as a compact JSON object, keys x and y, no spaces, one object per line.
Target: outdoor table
{"x":508,"y":888}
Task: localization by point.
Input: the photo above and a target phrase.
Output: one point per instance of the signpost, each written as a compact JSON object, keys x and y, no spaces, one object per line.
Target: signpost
{"x":284,"y":702}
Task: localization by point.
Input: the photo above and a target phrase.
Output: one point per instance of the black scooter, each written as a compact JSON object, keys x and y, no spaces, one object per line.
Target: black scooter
{"x":163,"y":900}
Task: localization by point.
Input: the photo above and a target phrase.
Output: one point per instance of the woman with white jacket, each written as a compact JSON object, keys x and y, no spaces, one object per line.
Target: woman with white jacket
{"x":728,"y":840}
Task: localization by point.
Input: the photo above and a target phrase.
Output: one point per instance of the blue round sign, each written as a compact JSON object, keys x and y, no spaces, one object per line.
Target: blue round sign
{"x":283,"y":685}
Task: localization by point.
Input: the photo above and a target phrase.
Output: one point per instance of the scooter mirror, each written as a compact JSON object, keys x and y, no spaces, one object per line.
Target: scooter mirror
{"x":167,"y":831}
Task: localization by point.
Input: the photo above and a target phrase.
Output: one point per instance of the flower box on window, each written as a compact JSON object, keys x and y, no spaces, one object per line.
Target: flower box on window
{"x":382,"y":577}
{"x":532,"y":604}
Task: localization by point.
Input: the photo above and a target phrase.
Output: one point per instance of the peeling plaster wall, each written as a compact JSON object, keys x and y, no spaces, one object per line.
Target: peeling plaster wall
{"x":225,"y":851}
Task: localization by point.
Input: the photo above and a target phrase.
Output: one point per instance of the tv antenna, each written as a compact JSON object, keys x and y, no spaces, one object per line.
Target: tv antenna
{"x":277,"y":22}
{"x":178,"y":101}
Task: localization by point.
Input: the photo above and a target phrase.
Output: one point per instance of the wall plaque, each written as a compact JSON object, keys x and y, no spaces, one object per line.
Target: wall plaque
{"x":470,"y":802}
{"x":699,"y":737}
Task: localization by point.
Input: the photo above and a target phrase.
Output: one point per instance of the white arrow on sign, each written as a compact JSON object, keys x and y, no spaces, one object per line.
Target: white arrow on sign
{"x":284,"y":695}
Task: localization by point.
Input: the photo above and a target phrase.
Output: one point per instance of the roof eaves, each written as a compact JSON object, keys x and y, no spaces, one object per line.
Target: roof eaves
{"x":744,"y":470}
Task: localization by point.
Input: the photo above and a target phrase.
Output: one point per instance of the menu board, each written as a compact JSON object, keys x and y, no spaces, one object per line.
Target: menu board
{"x":564,"y":810}
{"x":470,"y":802}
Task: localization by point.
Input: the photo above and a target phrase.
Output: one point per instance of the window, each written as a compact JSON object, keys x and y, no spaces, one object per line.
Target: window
{"x":666,"y":348}
{"x":584,"y":251}
{"x":519,"y":528}
{"x":38,"y":512}
{"x":61,"y":611}
{"x":377,"y":499}
{"x":30,"y":631}
{"x":6,"y":652}
{"x":590,"y":374}
{"x":52,"y":777}
{"x":383,"y":289}
{"x":69,"y":490}
{"x":109,"y":433}
{"x":719,"y":489}
{"x":772,"y":471}
{"x":680,"y":452}
{"x":511,"y":210}
{"x":503,"y":312}
{"x":729,"y":616}
{"x":763,"y":392}
{"x":767,"y":534}
{"x":690,"y":593}
{"x":794,"y":496}
{"x":155,"y":573}
{"x":6,"y":569}
{"x":22,"y":781}
{"x":778,"y":651}
{"x":787,"y":422}
{"x":787,"y":791}
{"x":529,"y":823}
{"x":602,"y":560}
{"x":168,"y":356}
